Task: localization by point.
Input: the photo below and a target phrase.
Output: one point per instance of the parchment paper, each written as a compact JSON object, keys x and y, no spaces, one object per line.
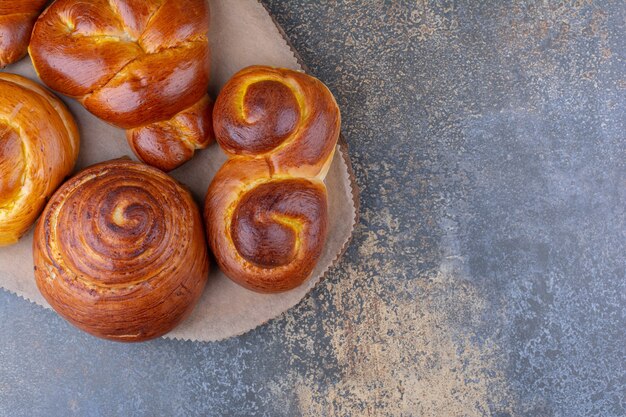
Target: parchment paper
{"x":242,"y":33}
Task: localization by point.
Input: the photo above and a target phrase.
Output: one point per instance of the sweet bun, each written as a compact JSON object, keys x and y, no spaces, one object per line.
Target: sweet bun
{"x":17,"y":18}
{"x":120,"y":251}
{"x":140,"y":65}
{"x":38,"y":148}
{"x":266,"y":210}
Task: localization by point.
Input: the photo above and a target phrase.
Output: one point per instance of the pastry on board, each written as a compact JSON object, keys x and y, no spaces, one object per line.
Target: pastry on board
{"x":120,"y":251}
{"x":39,"y":144}
{"x":266,"y":210}
{"x":139,"y":65}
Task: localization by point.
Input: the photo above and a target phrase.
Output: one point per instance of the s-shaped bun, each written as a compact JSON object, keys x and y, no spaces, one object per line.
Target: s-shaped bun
{"x":266,"y":210}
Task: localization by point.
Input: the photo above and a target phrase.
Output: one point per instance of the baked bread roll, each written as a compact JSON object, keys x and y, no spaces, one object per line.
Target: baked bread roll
{"x":139,"y":65}
{"x":120,"y":251}
{"x":17,"y":18}
{"x":266,"y":210}
{"x":38,"y":148}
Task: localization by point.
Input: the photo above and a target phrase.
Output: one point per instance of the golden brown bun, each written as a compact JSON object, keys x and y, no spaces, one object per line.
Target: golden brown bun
{"x":137,"y":64}
{"x":17,"y":18}
{"x":169,"y":144}
{"x":266,"y":210}
{"x":120,"y":251}
{"x":38,"y":148}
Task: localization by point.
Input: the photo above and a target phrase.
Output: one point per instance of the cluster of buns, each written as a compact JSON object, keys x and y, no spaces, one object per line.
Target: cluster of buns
{"x":120,"y":249}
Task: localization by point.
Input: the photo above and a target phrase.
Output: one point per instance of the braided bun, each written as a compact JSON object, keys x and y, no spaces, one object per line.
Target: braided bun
{"x":139,"y":65}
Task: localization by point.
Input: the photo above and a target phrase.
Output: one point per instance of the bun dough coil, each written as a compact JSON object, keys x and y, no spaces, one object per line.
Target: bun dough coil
{"x":120,"y":251}
{"x":141,"y":65}
{"x":38,"y":148}
{"x":17,"y":18}
{"x":266,"y":210}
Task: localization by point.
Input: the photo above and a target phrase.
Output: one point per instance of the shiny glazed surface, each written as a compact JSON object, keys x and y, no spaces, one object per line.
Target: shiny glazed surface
{"x":120,"y":251}
{"x":266,"y":210}
{"x":134,"y":64}
{"x":39,"y":145}
{"x":17,"y":18}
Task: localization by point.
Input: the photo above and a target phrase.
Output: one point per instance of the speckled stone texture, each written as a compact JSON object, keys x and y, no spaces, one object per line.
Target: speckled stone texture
{"x":487,"y":274}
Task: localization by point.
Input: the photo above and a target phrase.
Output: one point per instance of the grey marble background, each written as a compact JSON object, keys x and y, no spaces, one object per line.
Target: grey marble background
{"x":487,"y":276}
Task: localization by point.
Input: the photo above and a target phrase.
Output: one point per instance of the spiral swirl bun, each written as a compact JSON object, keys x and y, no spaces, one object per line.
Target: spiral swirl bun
{"x":286,"y":117}
{"x":38,"y":148}
{"x":266,"y":210}
{"x":17,"y":18}
{"x":142,"y":65}
{"x":120,"y":251}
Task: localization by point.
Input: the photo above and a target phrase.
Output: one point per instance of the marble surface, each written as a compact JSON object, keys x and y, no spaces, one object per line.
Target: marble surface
{"x":487,"y":276}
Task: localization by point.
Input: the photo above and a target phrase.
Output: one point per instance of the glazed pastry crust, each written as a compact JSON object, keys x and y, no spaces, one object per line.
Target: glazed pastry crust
{"x":17,"y":18}
{"x":142,"y":65}
{"x":120,"y":251}
{"x":266,"y":210}
{"x":39,"y":145}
